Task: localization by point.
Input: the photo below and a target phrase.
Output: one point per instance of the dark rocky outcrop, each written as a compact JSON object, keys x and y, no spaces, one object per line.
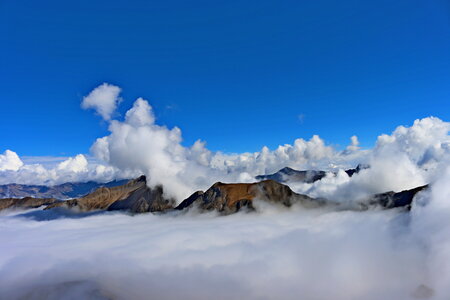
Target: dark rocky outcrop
{"x":197,"y":196}
{"x":134,"y":196}
{"x":230,"y":198}
{"x":66,"y":190}
{"x":25,"y":203}
{"x":307,"y":176}
{"x":359,"y":167}
{"x":392,"y":200}
{"x":144,"y":199}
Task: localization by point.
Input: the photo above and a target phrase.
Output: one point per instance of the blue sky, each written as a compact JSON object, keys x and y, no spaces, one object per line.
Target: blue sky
{"x":237,"y":74}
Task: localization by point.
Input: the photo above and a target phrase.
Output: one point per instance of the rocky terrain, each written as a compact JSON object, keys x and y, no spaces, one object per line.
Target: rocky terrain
{"x":229,"y":198}
{"x":134,"y":196}
{"x":26,"y":202}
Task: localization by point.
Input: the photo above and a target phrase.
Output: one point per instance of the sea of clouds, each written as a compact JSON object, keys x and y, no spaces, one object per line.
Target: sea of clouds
{"x":273,"y":253}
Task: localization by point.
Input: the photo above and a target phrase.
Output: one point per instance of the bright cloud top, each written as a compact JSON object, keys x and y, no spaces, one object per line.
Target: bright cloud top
{"x":10,"y":161}
{"x":103,"y":99}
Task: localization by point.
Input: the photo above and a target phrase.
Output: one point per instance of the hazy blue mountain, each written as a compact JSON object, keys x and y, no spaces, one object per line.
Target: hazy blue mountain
{"x":308,"y":176}
{"x":62,"y":191}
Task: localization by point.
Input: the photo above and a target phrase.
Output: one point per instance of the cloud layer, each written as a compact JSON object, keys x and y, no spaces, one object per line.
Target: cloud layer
{"x":72,"y":169}
{"x":273,"y":254}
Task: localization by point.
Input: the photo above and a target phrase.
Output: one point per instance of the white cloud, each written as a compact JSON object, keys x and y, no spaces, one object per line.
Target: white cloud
{"x":139,"y":145}
{"x":354,"y":145}
{"x":407,"y":158}
{"x":10,"y":161}
{"x":430,"y":223}
{"x":426,"y":143}
{"x":75,"y":164}
{"x":140,"y":114}
{"x":103,"y":99}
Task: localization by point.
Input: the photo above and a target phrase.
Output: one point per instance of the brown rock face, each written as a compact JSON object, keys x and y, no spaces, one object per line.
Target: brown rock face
{"x":229,"y":198}
{"x":27,"y":202}
{"x":134,"y":196}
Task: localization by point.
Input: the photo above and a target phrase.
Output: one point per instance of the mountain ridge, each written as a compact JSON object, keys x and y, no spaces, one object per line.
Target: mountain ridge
{"x":62,"y":191}
{"x":135,"y":196}
{"x":307,"y":176}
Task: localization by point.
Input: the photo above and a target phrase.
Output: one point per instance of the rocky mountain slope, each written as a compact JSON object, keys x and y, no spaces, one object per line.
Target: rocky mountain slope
{"x":25,"y":203}
{"x":229,"y":198}
{"x":134,"y":196}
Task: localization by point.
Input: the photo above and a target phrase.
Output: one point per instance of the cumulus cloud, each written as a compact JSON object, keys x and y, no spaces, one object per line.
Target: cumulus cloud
{"x":137,"y":144}
{"x":74,"y":164}
{"x":140,"y":145}
{"x":103,"y":99}
{"x":10,"y":161}
{"x":405,"y":159}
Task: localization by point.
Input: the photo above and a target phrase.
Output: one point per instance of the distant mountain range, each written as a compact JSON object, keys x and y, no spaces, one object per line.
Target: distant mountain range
{"x":63,"y":191}
{"x":225,"y":198}
{"x":71,"y":190}
{"x":307,"y":176}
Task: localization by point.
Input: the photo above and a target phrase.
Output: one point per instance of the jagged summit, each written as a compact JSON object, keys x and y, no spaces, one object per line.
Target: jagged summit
{"x":134,"y":196}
